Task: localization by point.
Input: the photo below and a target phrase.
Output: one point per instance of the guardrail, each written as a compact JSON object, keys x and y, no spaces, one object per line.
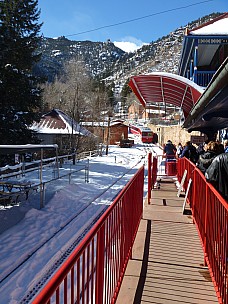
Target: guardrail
{"x":202,"y":78}
{"x":94,"y":271}
{"x":210,"y":214}
{"x":24,"y":167}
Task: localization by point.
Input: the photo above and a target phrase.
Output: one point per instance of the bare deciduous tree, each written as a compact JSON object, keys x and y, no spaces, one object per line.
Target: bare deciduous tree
{"x":75,"y":94}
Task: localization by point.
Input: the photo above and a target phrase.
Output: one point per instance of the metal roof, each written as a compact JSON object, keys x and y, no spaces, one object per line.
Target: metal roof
{"x":167,"y":88}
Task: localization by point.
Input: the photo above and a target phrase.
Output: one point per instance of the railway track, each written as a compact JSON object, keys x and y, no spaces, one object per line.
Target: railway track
{"x":56,"y":262}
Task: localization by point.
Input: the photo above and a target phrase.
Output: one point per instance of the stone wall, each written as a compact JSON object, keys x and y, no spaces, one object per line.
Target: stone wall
{"x":175,"y":133}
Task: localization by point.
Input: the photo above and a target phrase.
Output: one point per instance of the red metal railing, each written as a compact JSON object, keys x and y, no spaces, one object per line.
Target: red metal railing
{"x":94,"y":271}
{"x":210,"y":214}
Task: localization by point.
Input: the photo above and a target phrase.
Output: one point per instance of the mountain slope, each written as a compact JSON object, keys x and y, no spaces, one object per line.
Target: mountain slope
{"x":105,"y":61}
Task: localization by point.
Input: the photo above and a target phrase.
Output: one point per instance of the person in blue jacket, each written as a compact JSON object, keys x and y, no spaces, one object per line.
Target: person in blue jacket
{"x":169,"y":150}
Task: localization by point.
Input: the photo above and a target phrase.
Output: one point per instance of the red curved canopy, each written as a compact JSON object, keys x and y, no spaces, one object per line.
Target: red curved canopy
{"x":166,"y":88}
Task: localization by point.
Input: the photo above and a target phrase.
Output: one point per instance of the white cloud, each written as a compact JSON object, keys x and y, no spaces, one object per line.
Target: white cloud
{"x":129,"y":44}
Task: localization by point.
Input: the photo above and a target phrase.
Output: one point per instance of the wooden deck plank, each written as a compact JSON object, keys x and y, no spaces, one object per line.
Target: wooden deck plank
{"x":167,"y":261}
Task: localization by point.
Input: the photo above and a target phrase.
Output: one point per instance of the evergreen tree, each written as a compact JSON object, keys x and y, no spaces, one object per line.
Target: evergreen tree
{"x":20,"y":95}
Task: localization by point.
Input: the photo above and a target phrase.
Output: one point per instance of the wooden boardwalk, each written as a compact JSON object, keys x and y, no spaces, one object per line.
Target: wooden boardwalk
{"x":167,"y":262}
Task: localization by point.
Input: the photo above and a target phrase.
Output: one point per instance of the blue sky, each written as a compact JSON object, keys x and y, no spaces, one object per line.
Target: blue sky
{"x":97,"y":20}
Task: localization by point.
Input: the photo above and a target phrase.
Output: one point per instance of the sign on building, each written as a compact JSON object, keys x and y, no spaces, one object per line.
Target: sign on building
{"x":198,"y":139}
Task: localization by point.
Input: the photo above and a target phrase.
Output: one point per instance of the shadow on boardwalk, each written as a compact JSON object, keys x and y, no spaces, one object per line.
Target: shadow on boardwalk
{"x":167,"y":261}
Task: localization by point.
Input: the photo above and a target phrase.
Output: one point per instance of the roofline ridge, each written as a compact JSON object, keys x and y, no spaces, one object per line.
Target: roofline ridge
{"x":223,"y":16}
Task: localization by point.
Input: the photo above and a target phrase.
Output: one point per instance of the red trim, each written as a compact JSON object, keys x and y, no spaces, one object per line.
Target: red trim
{"x":165,"y":88}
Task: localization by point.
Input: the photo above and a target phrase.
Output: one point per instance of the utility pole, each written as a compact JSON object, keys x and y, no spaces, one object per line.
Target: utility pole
{"x":108,"y":134}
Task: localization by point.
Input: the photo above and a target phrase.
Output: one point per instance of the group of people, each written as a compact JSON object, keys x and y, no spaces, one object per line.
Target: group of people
{"x":210,"y":157}
{"x":171,"y":151}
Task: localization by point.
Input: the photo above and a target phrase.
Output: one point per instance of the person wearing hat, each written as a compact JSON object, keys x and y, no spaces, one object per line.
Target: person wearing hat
{"x":169,"y":150}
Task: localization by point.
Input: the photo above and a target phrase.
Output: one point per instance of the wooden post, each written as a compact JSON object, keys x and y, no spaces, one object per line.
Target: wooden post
{"x":57,"y":160}
{"x":108,"y":134}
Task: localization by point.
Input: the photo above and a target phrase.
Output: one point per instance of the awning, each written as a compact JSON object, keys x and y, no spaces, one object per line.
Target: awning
{"x":211,"y":111}
{"x":167,"y":88}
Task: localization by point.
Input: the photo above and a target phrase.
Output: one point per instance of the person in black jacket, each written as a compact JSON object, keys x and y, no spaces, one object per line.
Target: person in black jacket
{"x":189,"y":152}
{"x":217,"y":174}
{"x":202,"y":147}
{"x":205,"y":159}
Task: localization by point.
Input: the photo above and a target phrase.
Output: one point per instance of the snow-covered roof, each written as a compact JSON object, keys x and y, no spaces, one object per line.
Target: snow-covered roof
{"x":215,"y":27}
{"x":57,"y":122}
{"x":102,"y":123}
{"x":210,"y":36}
{"x":180,"y":78}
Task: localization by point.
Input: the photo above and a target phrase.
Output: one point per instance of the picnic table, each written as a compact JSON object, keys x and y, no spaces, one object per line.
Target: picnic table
{"x":13,"y":188}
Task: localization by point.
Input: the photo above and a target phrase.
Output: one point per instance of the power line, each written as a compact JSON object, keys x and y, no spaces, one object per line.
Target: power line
{"x":123,"y":22}
{"x":139,"y":18}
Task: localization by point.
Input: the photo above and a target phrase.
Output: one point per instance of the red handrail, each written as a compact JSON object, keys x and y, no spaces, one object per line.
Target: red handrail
{"x":150,"y":175}
{"x":94,"y":271}
{"x":210,"y":214}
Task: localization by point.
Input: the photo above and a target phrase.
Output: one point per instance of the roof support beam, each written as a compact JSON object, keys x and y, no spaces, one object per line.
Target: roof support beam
{"x":162,"y":93}
{"x":182,"y":101}
{"x":138,"y":91}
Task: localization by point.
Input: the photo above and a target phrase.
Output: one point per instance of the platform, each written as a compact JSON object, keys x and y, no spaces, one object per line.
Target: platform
{"x":167,"y":264}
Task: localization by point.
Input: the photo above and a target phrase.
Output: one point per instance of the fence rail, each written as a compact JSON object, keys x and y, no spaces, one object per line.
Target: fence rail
{"x":210,"y":213}
{"x":94,"y":271}
{"x":24,"y":167}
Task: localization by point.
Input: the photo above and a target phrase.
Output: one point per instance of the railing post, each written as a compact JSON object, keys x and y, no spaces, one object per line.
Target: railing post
{"x":205,"y":226}
{"x":149,"y":176}
{"x":87,"y":172}
{"x":194,"y":181}
{"x":41,"y":195}
{"x":100,"y":265}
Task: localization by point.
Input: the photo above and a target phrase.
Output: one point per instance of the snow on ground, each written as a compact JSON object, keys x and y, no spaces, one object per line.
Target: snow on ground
{"x":32,"y":240}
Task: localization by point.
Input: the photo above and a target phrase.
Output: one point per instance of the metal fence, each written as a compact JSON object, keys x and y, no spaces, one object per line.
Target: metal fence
{"x":94,"y":271}
{"x":210,"y":213}
{"x":24,"y":167}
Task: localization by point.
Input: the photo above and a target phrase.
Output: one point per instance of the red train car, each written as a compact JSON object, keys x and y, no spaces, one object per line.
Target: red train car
{"x":146,"y":134}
